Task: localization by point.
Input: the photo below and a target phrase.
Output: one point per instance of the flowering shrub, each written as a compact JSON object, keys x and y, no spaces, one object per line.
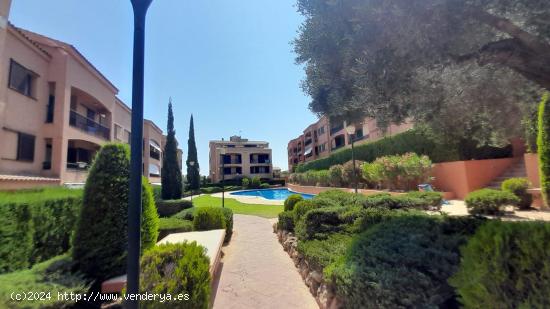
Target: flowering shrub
{"x":402,"y":172}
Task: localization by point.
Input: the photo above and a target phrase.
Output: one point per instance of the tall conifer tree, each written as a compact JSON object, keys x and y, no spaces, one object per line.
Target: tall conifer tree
{"x":193,"y":176}
{"x":171,"y":170}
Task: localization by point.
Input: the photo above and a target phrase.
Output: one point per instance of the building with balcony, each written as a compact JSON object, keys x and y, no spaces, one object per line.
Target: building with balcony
{"x":239,"y":158}
{"x":56,"y":110}
{"x":321,"y":138}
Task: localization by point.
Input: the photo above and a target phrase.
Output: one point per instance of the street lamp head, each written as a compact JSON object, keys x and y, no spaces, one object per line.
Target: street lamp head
{"x":350,"y":129}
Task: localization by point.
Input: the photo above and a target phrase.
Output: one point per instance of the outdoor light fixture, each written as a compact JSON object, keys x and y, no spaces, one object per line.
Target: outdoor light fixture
{"x":350,"y":129}
{"x":222,"y":153}
{"x":134,"y":205}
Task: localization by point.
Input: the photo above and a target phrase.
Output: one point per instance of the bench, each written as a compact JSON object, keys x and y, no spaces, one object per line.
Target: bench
{"x":211,"y":240}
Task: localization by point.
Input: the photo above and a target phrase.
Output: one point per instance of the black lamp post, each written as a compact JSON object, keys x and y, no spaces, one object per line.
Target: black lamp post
{"x":134,"y":207}
{"x":351,"y":133}
{"x":222,"y":153}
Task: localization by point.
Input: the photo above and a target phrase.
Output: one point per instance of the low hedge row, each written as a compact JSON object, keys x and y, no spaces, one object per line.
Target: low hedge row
{"x":173,"y":225}
{"x":212,"y":218}
{"x":489,"y":201}
{"x":36,"y":225}
{"x":167,"y":208}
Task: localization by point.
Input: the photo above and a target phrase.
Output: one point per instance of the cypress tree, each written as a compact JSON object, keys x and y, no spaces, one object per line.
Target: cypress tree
{"x":193,"y":176}
{"x":171,"y":170}
{"x":543,"y":143}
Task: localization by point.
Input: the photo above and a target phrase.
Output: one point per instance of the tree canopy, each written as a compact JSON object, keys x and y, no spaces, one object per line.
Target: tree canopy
{"x":463,"y":67}
{"x":193,"y":175}
{"x":171,"y":177}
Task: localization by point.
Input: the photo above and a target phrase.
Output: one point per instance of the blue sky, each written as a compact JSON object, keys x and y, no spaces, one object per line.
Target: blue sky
{"x":230,"y":63}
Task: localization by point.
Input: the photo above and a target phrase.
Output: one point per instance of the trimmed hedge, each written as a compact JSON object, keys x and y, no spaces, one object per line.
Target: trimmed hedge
{"x":208,"y":218}
{"x":101,"y":239}
{"x":174,"y":269}
{"x":415,"y":140}
{"x":518,"y":187}
{"x":52,"y":276}
{"x":291,"y":201}
{"x":228,"y":217}
{"x":286,"y":221}
{"x":543,"y":145}
{"x":410,"y":200}
{"x":506,"y":265}
{"x":167,"y":208}
{"x":173,"y":225}
{"x":489,"y":201}
{"x":404,"y":262}
{"x":36,"y":225}
{"x":321,"y":253}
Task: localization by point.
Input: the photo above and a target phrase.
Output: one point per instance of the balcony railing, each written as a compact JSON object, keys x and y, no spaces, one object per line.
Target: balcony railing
{"x":336,"y":129}
{"x":88,"y":125}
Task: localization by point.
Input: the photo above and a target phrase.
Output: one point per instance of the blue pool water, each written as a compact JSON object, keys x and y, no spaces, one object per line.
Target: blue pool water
{"x":272,"y":194}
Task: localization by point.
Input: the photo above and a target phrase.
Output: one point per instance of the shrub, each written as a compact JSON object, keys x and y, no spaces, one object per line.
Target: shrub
{"x":157,"y":192}
{"x":265,"y":186}
{"x":336,"y":175}
{"x":167,"y":208}
{"x":187,"y":214}
{"x":319,"y":222}
{"x":372,"y":173}
{"x":210,"y":190}
{"x":16,"y":237}
{"x":505,"y":265}
{"x":228,"y":218}
{"x":52,"y":276}
{"x":348,"y":175}
{"x":174,"y":269}
{"x":489,"y":201}
{"x":403,"y":172}
{"x":432,"y":199}
{"x":100,"y":242}
{"x":255,"y":183}
{"x":543,"y":145}
{"x":321,"y":253}
{"x":323,"y":178}
{"x":286,"y":221}
{"x":173,"y":225}
{"x":301,"y":208}
{"x":46,"y":217}
{"x":208,"y":218}
{"x":245,"y":182}
{"x":403,"y":262}
{"x":291,"y":201}
{"x":341,"y":198}
{"x":518,"y":187}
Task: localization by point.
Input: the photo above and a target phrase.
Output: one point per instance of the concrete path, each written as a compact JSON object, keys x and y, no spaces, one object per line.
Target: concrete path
{"x":257,"y":273}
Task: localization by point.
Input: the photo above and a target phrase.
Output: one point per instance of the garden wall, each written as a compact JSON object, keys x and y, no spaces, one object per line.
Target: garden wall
{"x":463,"y":177}
{"x":532,"y":168}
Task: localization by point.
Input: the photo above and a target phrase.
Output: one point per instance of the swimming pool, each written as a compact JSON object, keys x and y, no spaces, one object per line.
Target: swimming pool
{"x":272,"y":194}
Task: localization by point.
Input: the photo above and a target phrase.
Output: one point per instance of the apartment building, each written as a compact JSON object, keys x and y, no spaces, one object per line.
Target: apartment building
{"x":238,"y":158}
{"x":321,"y":138}
{"x":56,"y":110}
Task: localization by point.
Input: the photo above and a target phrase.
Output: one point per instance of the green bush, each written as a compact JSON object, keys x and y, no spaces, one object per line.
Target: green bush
{"x":543,"y":145}
{"x":335,"y":174}
{"x":433,"y":199}
{"x":16,"y":237}
{"x":255,"y":183}
{"x":245,"y":182}
{"x":46,"y":217}
{"x":228,"y":217}
{"x":320,"y":222}
{"x":340,"y":198}
{"x":174,"y":269}
{"x":167,"y":208}
{"x":489,"y":201}
{"x":173,"y":225}
{"x":291,"y":201}
{"x":187,"y":214}
{"x":301,"y":208}
{"x":52,"y":276}
{"x":321,"y":253}
{"x":286,"y":221}
{"x":208,"y":218}
{"x":505,"y":265}
{"x":265,"y":186}
{"x":100,"y":242}
{"x":411,"y":200}
{"x":157,"y":192}
{"x":518,"y":187}
{"x":403,"y":172}
{"x":403,"y":262}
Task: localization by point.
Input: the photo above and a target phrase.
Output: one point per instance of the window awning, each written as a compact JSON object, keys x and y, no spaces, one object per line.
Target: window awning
{"x":308,"y":151}
{"x":155,"y":145}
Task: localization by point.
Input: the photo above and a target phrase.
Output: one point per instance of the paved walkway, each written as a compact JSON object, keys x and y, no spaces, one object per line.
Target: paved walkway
{"x":257,"y":273}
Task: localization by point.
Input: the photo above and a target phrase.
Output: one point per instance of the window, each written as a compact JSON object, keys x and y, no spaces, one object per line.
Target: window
{"x":21,"y":79}
{"x":154,"y":170}
{"x":50,"y":109}
{"x":118,"y":132}
{"x":154,"y":149}
{"x":259,"y":170}
{"x":128,"y":136}
{"x":25,"y":147}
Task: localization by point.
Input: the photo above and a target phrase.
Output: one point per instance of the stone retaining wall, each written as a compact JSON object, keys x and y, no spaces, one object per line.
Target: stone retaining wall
{"x":324,"y":292}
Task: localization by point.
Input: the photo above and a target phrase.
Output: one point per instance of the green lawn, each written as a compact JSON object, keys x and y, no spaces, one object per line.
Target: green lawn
{"x":266,"y":211}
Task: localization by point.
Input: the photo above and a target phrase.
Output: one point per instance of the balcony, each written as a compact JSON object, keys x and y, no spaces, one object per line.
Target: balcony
{"x":89,"y":126}
{"x":336,"y":128}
